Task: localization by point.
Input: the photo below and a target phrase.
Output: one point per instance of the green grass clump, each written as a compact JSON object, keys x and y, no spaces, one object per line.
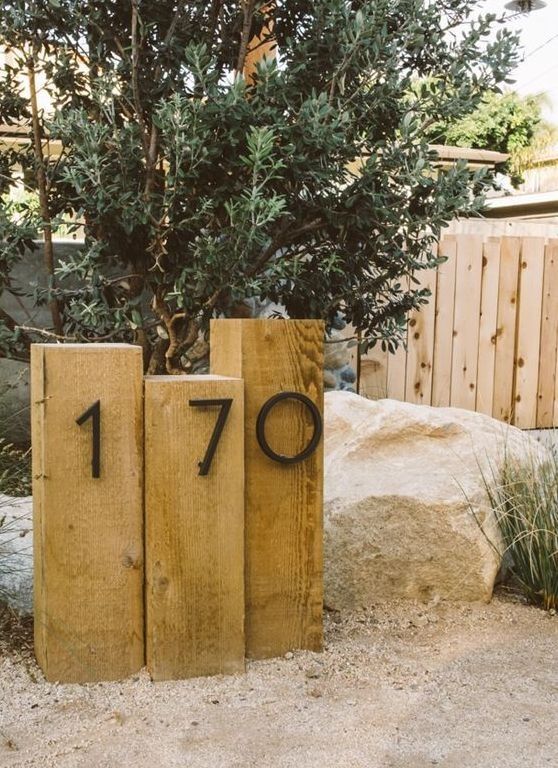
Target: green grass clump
{"x":525,"y":501}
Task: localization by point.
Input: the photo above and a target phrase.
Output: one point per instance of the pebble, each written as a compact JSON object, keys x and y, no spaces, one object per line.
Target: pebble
{"x":313,"y":672}
{"x":289,"y":655}
{"x":315,"y":693}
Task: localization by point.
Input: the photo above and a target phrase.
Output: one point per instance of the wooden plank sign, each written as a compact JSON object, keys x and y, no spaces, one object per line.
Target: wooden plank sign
{"x":194,"y":506}
{"x":87,"y":429}
{"x":284,"y":476}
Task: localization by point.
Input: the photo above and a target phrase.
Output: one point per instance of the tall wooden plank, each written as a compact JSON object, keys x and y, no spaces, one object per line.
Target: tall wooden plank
{"x":284,"y":502}
{"x":549,"y":339}
{"x":529,"y":332}
{"x":420,"y":349}
{"x":504,"y":365}
{"x":443,"y":325}
{"x":194,"y":527}
{"x":397,"y":362}
{"x":488,"y":324}
{"x":88,"y":530}
{"x":373,"y":380}
{"x":397,"y":372}
{"x":468,"y":278}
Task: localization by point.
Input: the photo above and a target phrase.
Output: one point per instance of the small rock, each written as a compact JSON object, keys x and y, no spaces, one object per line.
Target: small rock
{"x":289,"y":655}
{"x":348,"y":374}
{"x":315,"y":693}
{"x":420,"y":621}
{"x":313,"y":672}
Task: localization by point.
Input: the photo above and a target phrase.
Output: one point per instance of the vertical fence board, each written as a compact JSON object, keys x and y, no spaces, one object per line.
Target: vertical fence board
{"x":466,"y":322}
{"x":488,"y":325}
{"x":529,"y":310}
{"x":397,"y":373}
{"x":502,"y":407}
{"x":373,"y":380}
{"x":420,"y":349}
{"x":549,"y":339}
{"x":443,"y":330}
{"x":397,"y":362}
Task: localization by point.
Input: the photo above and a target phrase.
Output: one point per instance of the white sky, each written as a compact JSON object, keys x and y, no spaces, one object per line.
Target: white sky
{"x":538,"y":72}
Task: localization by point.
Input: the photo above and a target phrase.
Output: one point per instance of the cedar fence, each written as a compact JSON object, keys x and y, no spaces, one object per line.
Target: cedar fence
{"x":488,"y":339}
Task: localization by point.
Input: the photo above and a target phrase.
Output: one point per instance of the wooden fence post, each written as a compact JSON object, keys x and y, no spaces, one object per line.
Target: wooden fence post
{"x":284,"y":501}
{"x":194,"y":506}
{"x":87,"y":430}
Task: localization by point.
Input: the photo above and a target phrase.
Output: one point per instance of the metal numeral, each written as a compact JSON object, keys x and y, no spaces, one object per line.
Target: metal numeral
{"x":260,"y":428}
{"x":94,"y":413}
{"x":225,"y":406}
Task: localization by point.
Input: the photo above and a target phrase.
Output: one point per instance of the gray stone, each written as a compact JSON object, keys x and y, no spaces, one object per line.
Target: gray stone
{"x":348,"y":374}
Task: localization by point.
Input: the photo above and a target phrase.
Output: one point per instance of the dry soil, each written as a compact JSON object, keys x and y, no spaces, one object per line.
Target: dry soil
{"x":398,"y":685}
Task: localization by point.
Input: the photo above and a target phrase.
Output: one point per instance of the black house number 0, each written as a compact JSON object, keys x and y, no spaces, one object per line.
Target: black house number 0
{"x":224,"y":405}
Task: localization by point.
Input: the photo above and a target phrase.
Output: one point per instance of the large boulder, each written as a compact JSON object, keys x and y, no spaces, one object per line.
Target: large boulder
{"x":406,"y":508}
{"x":16,"y":553}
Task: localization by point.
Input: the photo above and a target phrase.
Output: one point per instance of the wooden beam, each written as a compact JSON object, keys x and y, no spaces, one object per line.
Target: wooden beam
{"x":88,"y":510}
{"x":194,"y":526}
{"x":284,"y":502}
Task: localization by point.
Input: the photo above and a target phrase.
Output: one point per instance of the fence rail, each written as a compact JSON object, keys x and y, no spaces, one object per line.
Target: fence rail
{"x":488,"y":339}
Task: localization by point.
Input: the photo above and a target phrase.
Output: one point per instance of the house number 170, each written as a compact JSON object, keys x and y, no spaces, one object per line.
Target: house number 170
{"x":224,"y":405}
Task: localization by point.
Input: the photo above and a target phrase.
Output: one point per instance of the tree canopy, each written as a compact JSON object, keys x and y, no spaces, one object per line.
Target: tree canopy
{"x":195,"y":186}
{"x":503,"y":122}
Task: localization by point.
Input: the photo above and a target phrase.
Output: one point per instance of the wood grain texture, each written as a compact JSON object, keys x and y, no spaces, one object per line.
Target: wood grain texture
{"x":397,"y":361}
{"x":194,"y":529}
{"x":397,"y":372}
{"x":284,"y":502}
{"x":443,"y":326}
{"x":488,"y":325}
{"x":88,"y":533}
{"x":420,"y":344}
{"x":531,"y":277}
{"x":549,"y":340}
{"x":373,"y":381}
{"x":504,"y":365}
{"x":468,"y":276}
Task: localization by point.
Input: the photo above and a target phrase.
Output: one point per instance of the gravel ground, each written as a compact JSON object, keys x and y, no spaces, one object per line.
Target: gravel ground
{"x":399,"y":685}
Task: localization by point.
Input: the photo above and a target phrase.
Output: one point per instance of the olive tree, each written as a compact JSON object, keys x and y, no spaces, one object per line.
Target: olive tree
{"x":197,"y":186}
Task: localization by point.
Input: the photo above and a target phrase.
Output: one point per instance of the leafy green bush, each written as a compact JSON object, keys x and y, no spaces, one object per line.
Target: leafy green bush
{"x":525,"y":500}
{"x":196,"y":186}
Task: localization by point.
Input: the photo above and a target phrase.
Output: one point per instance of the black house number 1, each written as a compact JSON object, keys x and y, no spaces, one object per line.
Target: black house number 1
{"x":94,"y":413}
{"x":224,"y":405}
